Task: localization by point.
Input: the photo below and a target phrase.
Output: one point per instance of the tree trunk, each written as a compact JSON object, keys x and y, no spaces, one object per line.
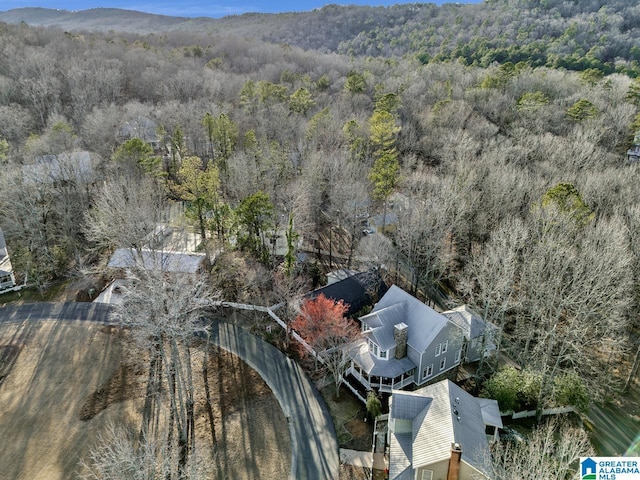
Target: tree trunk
{"x":207,"y":392}
{"x":634,"y":370}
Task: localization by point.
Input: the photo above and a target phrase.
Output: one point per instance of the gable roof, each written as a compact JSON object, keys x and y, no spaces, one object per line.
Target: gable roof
{"x":355,"y":291}
{"x":448,"y":415}
{"x":469,"y":321}
{"x":172,"y":262}
{"x":398,"y":306}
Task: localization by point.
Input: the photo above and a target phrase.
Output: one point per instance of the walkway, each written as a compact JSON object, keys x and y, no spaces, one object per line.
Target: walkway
{"x":314,"y":442}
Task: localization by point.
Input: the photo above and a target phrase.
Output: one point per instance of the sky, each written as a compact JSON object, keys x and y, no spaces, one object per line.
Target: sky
{"x":198,"y":8}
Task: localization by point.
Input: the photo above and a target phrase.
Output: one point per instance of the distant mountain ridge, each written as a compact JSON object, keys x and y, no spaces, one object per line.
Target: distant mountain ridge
{"x":94,"y":19}
{"x":602,"y":34}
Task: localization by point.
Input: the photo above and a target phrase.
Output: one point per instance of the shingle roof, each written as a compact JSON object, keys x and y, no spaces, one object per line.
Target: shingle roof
{"x":355,"y":290}
{"x":451,"y":416}
{"x":400,"y":452}
{"x":172,"y":262}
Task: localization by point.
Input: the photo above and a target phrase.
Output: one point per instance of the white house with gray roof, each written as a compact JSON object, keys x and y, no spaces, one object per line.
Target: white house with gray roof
{"x":440,"y":432}
{"x":404,"y":342}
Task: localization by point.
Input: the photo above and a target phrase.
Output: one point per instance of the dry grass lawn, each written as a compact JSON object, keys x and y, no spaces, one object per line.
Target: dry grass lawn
{"x":62,"y":383}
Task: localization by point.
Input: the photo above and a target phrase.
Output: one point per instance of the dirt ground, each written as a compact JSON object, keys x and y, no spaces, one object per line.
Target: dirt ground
{"x":62,"y":383}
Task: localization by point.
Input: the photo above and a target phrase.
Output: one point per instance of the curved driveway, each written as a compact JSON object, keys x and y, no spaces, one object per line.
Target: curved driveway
{"x":313,"y":439}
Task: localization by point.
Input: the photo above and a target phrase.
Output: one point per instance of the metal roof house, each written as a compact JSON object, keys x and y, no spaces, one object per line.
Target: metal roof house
{"x":478,"y":334}
{"x":404,"y":342}
{"x":441,"y":432}
{"x":7,"y":279}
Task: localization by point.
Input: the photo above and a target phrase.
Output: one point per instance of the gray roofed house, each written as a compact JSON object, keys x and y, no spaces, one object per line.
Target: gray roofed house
{"x":142,"y":128}
{"x":7,"y":279}
{"x":440,"y":431}
{"x":147,"y":259}
{"x":478,"y":334}
{"x":65,"y":167}
{"x":404,"y":342}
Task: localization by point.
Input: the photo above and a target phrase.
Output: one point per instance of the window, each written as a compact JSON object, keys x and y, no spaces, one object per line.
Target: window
{"x":474,"y":343}
{"x":383,"y":354}
{"x":458,"y":355}
{"x":438,"y":349}
{"x":427,"y":372}
{"x":427,"y":475}
{"x":373,"y":348}
{"x":444,"y":346}
{"x":443,"y":363}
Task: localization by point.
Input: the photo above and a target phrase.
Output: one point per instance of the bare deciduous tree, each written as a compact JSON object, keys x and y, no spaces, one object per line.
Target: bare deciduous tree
{"x":549,"y":452}
{"x":164,"y":314}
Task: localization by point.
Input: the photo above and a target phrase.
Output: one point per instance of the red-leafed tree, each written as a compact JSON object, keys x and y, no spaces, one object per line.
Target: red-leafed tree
{"x":323,"y":325}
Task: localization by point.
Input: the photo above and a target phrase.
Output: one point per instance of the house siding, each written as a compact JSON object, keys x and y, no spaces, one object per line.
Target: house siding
{"x":454,"y":336}
{"x":474,"y":354}
{"x":467,"y":472}
{"x":439,"y":469}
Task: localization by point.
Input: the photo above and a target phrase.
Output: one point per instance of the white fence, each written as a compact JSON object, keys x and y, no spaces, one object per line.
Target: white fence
{"x":279,"y":321}
{"x":546,"y":411}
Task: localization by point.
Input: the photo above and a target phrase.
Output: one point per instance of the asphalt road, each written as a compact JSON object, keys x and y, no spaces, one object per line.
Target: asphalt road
{"x":313,"y":439}
{"x":66,"y":311}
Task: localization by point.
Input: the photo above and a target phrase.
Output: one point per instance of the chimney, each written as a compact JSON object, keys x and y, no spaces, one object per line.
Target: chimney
{"x":400,"y":332}
{"x":454,"y":462}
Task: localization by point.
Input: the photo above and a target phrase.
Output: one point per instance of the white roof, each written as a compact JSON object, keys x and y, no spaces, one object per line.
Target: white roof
{"x":72,"y":166}
{"x":441,"y":414}
{"x":173,"y":262}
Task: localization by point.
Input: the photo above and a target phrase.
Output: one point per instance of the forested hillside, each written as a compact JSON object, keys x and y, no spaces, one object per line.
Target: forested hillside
{"x":576,"y":35}
{"x":509,"y":180}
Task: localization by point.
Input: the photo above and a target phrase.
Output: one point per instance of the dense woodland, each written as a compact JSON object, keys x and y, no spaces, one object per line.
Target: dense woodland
{"x":508,"y":173}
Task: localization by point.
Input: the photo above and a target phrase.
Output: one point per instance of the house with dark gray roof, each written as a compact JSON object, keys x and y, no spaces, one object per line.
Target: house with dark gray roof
{"x":479,"y":335}
{"x":441,"y":432}
{"x":142,"y":128}
{"x":355,"y":289}
{"x":404,"y":342}
{"x":7,"y":279}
